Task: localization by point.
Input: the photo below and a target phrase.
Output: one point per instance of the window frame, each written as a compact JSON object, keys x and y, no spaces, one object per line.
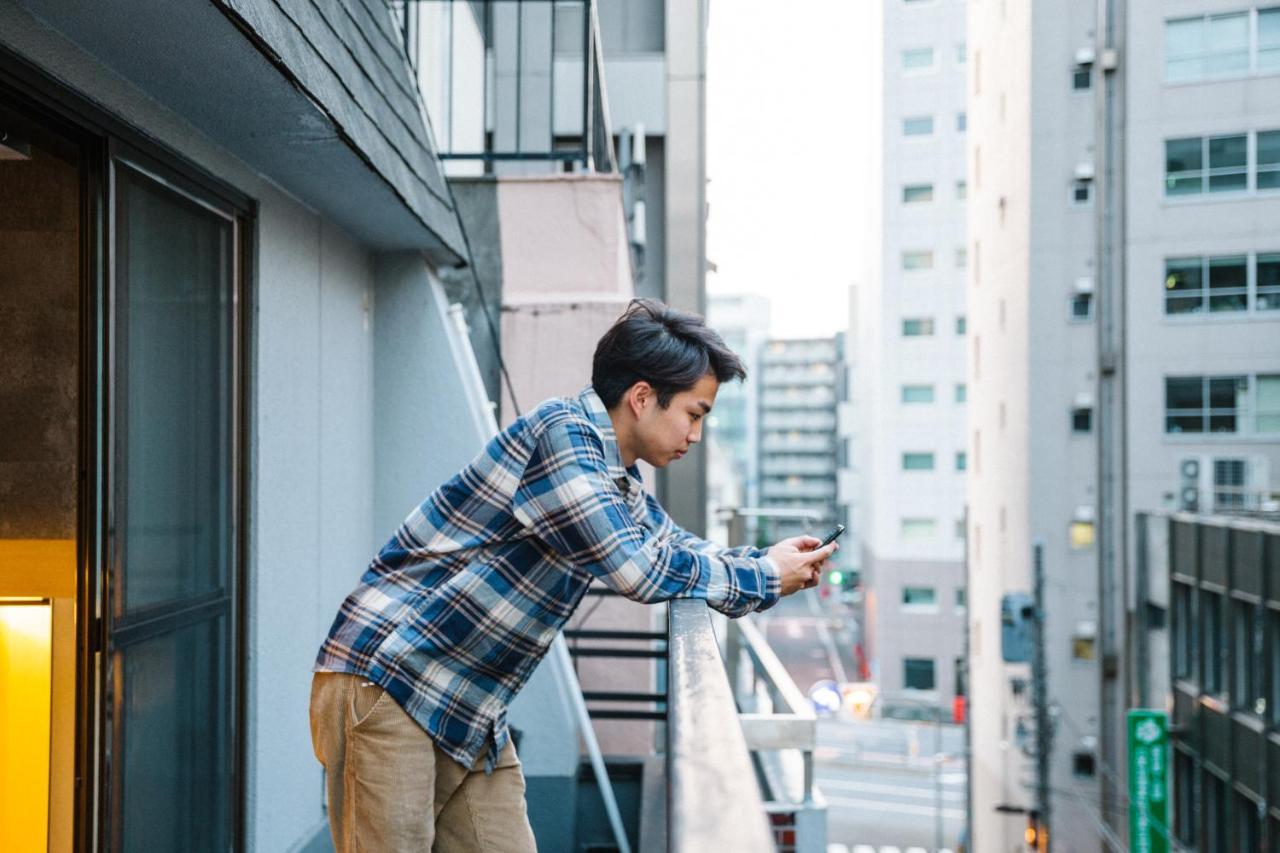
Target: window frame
{"x":1254,"y":48}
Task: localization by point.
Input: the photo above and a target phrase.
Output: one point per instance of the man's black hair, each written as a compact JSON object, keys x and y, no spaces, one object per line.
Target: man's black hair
{"x":669,"y":349}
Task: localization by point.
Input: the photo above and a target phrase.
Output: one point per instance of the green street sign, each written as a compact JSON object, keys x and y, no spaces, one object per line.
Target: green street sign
{"x":1148,"y":781}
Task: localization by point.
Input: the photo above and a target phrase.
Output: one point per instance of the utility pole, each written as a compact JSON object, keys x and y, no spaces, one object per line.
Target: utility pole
{"x":1040,"y":697}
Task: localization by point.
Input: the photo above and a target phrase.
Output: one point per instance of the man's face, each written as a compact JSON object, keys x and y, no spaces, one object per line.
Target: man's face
{"x":664,"y":435}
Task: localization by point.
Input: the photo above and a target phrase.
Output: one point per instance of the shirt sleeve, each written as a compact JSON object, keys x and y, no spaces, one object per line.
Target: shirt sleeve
{"x":668,"y":528}
{"x":568,"y":499}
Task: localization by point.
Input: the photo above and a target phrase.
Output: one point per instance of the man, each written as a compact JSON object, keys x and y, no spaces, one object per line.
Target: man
{"x":408,"y":704}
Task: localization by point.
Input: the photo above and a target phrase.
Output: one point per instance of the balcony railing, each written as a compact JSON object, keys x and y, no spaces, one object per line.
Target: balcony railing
{"x":512,"y":80}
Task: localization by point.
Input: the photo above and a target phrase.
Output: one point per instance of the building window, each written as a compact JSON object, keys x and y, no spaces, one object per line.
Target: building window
{"x":1084,"y":641}
{"x":1248,"y":823}
{"x":962,"y":122}
{"x":917,"y":673}
{"x":917,"y":393}
{"x":1267,"y":404}
{"x":1267,"y":282}
{"x":1080,"y":535}
{"x":1185,"y":797}
{"x":1081,"y":191}
{"x":1081,"y":78}
{"x":962,"y":595}
{"x":917,"y":193}
{"x":1184,"y":632}
{"x":962,"y":392}
{"x":1082,"y":419}
{"x":1197,"y":404}
{"x":961,"y":460}
{"x":1083,"y":765}
{"x":917,"y":59}
{"x":1216,"y":837}
{"x":1081,"y":307}
{"x":1272,"y":664}
{"x":1246,"y":676}
{"x":919,"y":598}
{"x":1213,"y":649}
{"x":1215,"y":164}
{"x":1206,"y":46}
{"x":962,"y":190}
{"x":1268,"y":57}
{"x":962,"y":258}
{"x":917,"y":126}
{"x":917,"y":327}
{"x":917,"y":461}
{"x":1229,"y":481}
{"x":918,"y":528}
{"x":919,"y":259}
{"x":962,"y":53}
{"x":1214,"y":284}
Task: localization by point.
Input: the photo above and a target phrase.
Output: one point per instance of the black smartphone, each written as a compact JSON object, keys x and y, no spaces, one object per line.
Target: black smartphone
{"x":832,"y":536}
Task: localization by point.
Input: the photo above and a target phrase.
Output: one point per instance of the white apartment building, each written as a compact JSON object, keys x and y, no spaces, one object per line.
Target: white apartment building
{"x":1124,"y":352}
{"x":908,"y":350}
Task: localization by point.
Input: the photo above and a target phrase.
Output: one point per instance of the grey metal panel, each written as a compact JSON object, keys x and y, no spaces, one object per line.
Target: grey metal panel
{"x":1213,"y":554}
{"x":1246,"y":561}
{"x":1185,"y":551}
{"x":248,"y":76}
{"x":1216,"y":730}
{"x":1248,"y":746}
{"x":1272,"y":561}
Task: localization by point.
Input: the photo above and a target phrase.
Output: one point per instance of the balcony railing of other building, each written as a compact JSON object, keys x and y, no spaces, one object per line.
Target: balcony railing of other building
{"x":514,"y":81}
{"x":813,"y":421}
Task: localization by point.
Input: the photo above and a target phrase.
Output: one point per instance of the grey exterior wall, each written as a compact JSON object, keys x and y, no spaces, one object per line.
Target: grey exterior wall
{"x":336,"y":459}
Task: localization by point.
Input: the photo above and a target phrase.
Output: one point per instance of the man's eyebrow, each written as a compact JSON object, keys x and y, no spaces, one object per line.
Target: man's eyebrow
{"x":706,"y":407}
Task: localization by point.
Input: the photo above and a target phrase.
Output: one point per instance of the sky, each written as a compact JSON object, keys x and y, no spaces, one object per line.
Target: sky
{"x":782,"y":162}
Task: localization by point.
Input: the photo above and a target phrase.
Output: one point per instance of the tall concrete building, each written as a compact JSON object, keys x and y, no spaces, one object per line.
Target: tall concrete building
{"x":733,"y":434}
{"x":799,"y":393}
{"x":1124,"y":350}
{"x":908,"y":353}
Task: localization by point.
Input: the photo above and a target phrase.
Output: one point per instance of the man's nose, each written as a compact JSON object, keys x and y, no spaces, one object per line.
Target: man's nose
{"x":696,"y":435}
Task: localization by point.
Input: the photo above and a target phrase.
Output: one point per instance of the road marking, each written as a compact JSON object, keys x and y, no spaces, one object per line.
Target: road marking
{"x":839,"y":848}
{"x":900,"y":790}
{"x":899,"y":808}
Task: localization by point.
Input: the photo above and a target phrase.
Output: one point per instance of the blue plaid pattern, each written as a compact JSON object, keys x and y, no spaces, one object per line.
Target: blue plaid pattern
{"x":457,"y":609}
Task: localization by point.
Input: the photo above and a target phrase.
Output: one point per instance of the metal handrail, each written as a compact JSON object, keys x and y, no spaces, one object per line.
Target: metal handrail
{"x":714,"y":798}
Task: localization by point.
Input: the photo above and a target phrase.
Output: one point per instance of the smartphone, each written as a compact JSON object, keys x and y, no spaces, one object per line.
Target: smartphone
{"x":832,"y":536}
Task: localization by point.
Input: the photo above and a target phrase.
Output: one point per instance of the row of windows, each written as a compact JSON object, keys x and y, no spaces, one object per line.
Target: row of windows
{"x":1234,"y":44}
{"x":924,"y":193}
{"x":924,"y":327}
{"x":918,"y":126}
{"x":1230,"y":163}
{"x":1222,"y":283}
{"x":921,"y":260}
{"x":1244,"y":404}
{"x":920,"y":59}
{"x":924,"y":393}
{"x":920,"y":460}
{"x":919,"y":528}
{"x":926,"y":598}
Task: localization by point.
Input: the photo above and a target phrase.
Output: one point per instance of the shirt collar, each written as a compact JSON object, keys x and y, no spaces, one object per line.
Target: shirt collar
{"x":599,"y":415}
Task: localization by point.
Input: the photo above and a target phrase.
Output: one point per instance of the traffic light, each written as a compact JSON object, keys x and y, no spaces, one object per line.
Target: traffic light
{"x":835,"y":577}
{"x":1035,"y":835}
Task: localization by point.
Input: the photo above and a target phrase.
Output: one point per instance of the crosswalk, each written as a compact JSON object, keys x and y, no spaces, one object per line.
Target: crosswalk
{"x":867,"y":848}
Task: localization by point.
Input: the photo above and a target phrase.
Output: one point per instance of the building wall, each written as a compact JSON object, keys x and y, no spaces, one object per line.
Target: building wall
{"x":1031,"y":133}
{"x":888,"y":364}
{"x":313,"y":445}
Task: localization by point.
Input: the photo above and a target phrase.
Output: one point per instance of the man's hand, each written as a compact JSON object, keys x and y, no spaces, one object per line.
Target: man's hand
{"x":799,"y":562}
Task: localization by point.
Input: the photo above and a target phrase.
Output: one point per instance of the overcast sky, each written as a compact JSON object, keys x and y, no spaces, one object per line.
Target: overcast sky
{"x":782,"y":131}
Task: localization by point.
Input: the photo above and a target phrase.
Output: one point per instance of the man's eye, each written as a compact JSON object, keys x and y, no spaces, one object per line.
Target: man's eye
{"x":696,"y":416}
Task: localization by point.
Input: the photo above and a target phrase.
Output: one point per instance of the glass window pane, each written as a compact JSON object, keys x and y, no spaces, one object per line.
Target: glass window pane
{"x":1184,"y":305}
{"x":918,"y":528}
{"x":917,"y":393}
{"x":1228,"y":283}
{"x":1268,"y":283}
{"x":1184,"y":37}
{"x":1269,"y":148}
{"x":1183,"y":162}
{"x":917,"y":462}
{"x":924,"y":596}
{"x":175,"y":278}
{"x":1268,"y":403}
{"x":917,"y":126}
{"x":1182,"y":275}
{"x":918,"y":260}
{"x":917,"y":193}
{"x":1228,"y":44}
{"x":1269,"y":39}
{"x":1184,"y":393}
{"x":917,"y":58}
{"x":175,"y":749}
{"x":1227,"y":392}
{"x":917,"y":673}
{"x":1228,"y":151}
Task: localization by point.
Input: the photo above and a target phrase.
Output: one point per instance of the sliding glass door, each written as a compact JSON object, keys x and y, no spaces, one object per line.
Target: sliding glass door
{"x":174,"y":541}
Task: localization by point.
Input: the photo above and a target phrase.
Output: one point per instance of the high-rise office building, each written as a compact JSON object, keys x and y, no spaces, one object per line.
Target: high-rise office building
{"x":908,"y":352}
{"x":800,"y":382}
{"x":1124,"y":350}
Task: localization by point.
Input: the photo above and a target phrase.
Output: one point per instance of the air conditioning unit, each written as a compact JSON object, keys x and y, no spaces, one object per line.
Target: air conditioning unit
{"x":1084,"y":56}
{"x":1084,"y":171}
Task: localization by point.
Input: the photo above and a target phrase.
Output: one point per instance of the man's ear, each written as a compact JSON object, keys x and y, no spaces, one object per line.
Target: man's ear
{"x":639,"y":396}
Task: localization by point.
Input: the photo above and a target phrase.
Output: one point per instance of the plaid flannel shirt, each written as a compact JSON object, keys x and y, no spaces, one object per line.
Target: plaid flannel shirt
{"x":457,"y":609}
